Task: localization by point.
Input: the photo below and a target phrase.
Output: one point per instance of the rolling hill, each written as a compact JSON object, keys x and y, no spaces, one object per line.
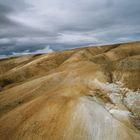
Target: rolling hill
{"x":89,"y":93}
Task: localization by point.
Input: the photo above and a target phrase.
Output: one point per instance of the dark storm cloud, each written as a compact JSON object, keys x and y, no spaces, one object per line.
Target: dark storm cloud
{"x":12,"y":29}
{"x":4,"y":11}
{"x":65,"y":24}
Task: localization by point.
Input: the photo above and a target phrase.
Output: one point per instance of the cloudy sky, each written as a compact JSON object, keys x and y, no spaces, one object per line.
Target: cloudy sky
{"x":45,"y":25}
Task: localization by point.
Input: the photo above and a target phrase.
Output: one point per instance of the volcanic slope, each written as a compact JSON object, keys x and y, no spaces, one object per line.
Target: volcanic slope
{"x":89,"y":93}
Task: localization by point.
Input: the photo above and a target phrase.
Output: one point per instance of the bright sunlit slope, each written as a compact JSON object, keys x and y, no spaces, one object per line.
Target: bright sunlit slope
{"x":87,"y":93}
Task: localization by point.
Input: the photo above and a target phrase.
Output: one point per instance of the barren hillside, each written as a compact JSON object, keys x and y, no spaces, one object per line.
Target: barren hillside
{"x":88,"y":93}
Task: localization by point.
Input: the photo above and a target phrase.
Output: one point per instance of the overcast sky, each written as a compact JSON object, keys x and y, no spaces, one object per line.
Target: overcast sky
{"x":31,"y":25}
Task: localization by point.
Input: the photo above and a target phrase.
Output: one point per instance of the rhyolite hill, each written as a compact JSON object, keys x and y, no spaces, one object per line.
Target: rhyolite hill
{"x":87,"y":93}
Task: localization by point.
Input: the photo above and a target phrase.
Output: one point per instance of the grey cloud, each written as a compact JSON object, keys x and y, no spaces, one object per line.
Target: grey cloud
{"x":16,"y":5}
{"x":4,"y":11}
{"x":45,"y":49}
{"x":67,"y":24}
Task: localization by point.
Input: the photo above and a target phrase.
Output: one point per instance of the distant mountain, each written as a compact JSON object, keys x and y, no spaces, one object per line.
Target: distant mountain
{"x":89,"y":93}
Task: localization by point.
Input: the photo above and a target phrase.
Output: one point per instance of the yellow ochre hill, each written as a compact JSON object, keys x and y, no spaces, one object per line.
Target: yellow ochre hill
{"x":89,"y":93}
